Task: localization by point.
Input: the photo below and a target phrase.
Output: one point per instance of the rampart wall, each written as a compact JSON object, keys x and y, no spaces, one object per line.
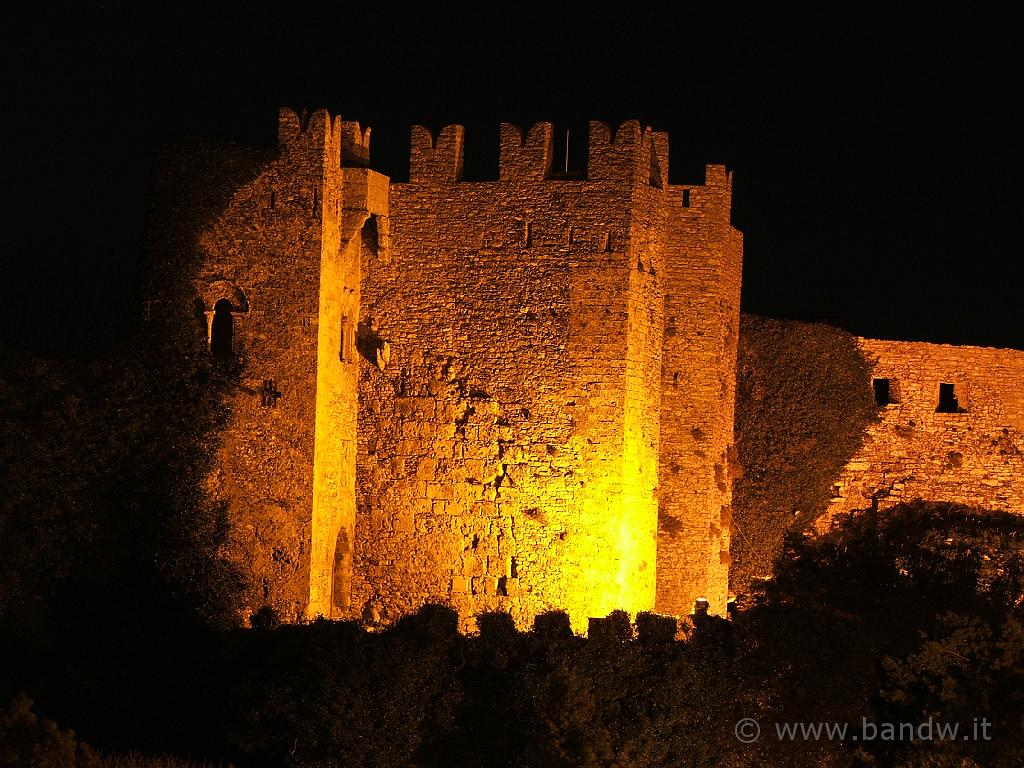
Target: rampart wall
{"x":968,"y":450}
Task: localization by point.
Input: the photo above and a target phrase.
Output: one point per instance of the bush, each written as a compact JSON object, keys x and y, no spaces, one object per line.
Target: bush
{"x":970,"y":674}
{"x":28,"y":741}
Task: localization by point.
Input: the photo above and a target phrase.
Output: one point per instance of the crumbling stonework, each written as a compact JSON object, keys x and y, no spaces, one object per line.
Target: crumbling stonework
{"x":967,"y":447}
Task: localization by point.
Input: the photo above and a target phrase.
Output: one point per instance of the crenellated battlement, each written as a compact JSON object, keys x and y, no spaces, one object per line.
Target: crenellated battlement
{"x":712,"y":199}
{"x":635,"y":153}
{"x":657,"y":161}
{"x":526,"y":160}
{"x":341,"y":142}
{"x":355,"y":145}
{"x":617,"y":158}
{"x":436,"y":160}
{"x":630,"y":153}
{"x":293,"y":126}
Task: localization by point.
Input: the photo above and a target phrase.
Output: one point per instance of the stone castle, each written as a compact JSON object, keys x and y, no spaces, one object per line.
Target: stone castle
{"x":486,"y":394}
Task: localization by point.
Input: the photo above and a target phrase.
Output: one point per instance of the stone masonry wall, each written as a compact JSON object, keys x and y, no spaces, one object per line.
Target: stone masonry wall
{"x":459,"y":392}
{"x":702,"y":293}
{"x":352,"y":195}
{"x":275,"y":254}
{"x":646,"y":324}
{"x":974,"y":456}
{"x":507,"y":453}
{"x":517,"y":395}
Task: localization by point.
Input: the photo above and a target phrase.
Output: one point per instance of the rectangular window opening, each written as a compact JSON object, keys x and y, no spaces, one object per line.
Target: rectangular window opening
{"x":883,"y":392}
{"x":947,"y":399}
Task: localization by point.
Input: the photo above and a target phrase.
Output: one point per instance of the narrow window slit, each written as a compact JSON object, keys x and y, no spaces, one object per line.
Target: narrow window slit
{"x":345,"y":341}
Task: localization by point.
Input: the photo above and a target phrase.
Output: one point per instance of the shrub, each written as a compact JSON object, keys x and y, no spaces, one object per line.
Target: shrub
{"x":28,"y":741}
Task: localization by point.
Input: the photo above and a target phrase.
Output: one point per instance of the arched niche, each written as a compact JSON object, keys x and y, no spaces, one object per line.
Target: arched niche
{"x":213,"y":291}
{"x":223,"y":303}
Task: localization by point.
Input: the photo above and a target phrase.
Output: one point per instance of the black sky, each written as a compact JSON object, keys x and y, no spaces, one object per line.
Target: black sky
{"x":875,"y":153}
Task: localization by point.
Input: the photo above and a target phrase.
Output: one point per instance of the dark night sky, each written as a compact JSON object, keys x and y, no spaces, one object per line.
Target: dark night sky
{"x":876,"y":177}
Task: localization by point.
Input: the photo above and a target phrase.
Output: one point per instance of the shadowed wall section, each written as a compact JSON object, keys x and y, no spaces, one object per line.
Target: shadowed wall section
{"x":803,"y":405}
{"x":286,"y":459}
{"x":829,"y":424}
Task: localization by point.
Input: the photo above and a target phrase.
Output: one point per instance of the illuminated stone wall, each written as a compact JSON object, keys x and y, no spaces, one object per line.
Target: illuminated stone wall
{"x":973,"y":456}
{"x":509,"y":452}
{"x":516,"y":394}
{"x":699,"y":392}
{"x":457,"y":392}
{"x":358,"y":224}
{"x":493,"y":440}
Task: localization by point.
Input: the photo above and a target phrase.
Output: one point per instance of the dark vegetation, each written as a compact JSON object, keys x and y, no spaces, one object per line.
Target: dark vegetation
{"x":28,"y":740}
{"x":803,"y":401}
{"x":110,"y":579}
{"x":900,"y":616}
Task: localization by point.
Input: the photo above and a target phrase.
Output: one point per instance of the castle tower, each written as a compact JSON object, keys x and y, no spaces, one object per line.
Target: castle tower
{"x":702,"y":313}
{"x":285,"y":463}
{"x":510,"y":395}
{"x":361,"y":232}
{"x":509,"y":457}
